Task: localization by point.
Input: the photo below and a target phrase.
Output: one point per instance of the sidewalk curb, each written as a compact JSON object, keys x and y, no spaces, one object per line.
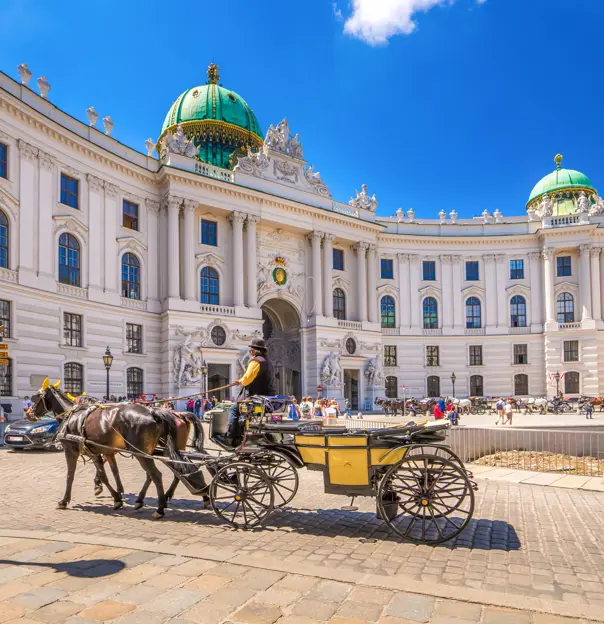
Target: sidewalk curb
{"x":397,"y":582}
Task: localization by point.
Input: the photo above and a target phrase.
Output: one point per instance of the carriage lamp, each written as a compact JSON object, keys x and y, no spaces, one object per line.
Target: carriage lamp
{"x":557,"y":378}
{"x":107,"y":361}
{"x":453,"y":379}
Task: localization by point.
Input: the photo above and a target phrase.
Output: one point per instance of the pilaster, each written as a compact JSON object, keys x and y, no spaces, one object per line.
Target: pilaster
{"x":96,"y":189}
{"x":236,"y":218}
{"x":252,"y":288}
{"x":327,"y":274}
{"x":27,"y":211}
{"x":46,"y":201}
{"x":361,"y":250}
{"x":189,"y":240}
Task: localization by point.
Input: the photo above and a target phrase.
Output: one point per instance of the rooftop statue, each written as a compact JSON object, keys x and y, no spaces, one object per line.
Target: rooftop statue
{"x":313,"y":177}
{"x":363,"y":201}
{"x":546,"y":206}
{"x":178,"y":144}
{"x":597,"y":207}
{"x":295,"y":147}
{"x":582,"y":204}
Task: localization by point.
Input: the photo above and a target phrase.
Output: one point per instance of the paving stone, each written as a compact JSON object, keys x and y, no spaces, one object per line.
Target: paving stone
{"x":463,"y":610}
{"x":411,"y":606}
{"x":256,"y":579}
{"x":230,"y":598}
{"x":206,"y":612}
{"x":166,"y":561}
{"x":371,"y":595}
{"x":546,"y":618}
{"x":13,"y":588}
{"x":72,"y":583}
{"x":359,"y":611}
{"x":139,"y":574}
{"x":138,"y":594}
{"x":11,"y":573}
{"x":229,"y":570}
{"x":167,"y":580}
{"x":39,"y":597}
{"x":318,"y":609}
{"x":331,"y":591}
{"x":45,"y":577}
{"x":97,"y":592}
{"x":493,"y":615}
{"x":343,"y":620}
{"x":258,"y":613}
{"x":173,"y":602}
{"x":278,"y":596}
{"x":57,"y":611}
{"x":296,"y":619}
{"x":193,"y":567}
{"x":208,"y":583}
{"x":106,"y":610}
{"x":9,"y":611}
{"x":298,"y":583}
{"x":143,"y":617}
{"x":388,"y":619}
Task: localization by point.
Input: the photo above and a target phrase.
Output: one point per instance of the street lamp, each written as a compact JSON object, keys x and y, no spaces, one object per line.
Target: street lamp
{"x":204,"y":375}
{"x":107,"y":361}
{"x":453,"y":378}
{"x":557,"y":378}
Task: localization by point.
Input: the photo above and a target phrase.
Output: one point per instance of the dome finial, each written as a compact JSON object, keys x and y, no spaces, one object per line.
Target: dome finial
{"x":558,"y":160}
{"x":213,"y":74}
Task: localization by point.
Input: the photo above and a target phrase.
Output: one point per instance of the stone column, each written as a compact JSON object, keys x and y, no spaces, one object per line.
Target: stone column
{"x":548,"y":284}
{"x":448,"y":296}
{"x":27,"y":208}
{"x":173,"y":207}
{"x":585,"y":282}
{"x":414,"y":269}
{"x":490,"y":282}
{"x":236,"y":220}
{"x":189,"y":240}
{"x":536,"y":311}
{"x":404,"y":287}
{"x":361,"y":249}
{"x":501,"y":281}
{"x":47,"y":202}
{"x":372,"y":270}
{"x":327,"y":274}
{"x":252,"y":289}
{"x":96,"y":188}
{"x":153,"y":249}
{"x":315,"y":241}
{"x":111,"y":272}
{"x":594,"y":254}
{"x":458,"y":316}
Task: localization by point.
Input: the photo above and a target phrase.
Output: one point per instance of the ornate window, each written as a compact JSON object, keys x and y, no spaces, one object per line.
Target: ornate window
{"x":351,"y":346}
{"x":69,"y":260}
{"x":69,"y":192}
{"x":476,"y":385}
{"x":72,"y":329}
{"x":209,"y":286}
{"x":571,"y":383}
{"x":130,"y":215}
{"x":134,"y":382}
{"x":473,"y":315}
{"x":521,"y":385}
{"x":338,"y":259}
{"x":430,"y":309}
{"x":134,"y":338}
{"x":3,"y":161}
{"x":6,"y":380}
{"x":3,"y":241}
{"x":209,"y":233}
{"x":387,"y":268}
{"x":433,"y":386}
{"x":339,"y":304}
{"x":131,"y":278}
{"x":391,"y":387}
{"x":390,"y":355}
{"x":517,"y":311}
{"x":475,"y":354}
{"x":571,"y":350}
{"x":73,"y":375}
{"x":387,"y":312}
{"x":566,"y":308}
{"x":5,"y":320}
{"x":218,"y":335}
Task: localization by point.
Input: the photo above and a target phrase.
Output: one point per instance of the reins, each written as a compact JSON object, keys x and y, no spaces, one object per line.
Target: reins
{"x":187,"y":396}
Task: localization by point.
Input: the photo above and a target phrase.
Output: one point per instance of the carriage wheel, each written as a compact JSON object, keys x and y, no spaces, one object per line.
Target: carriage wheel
{"x":242,"y":495}
{"x":282,"y":473}
{"x":435,"y":449}
{"x":426,"y":499}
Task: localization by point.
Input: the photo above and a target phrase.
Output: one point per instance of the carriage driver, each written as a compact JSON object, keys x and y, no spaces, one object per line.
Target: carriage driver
{"x":259,"y":378}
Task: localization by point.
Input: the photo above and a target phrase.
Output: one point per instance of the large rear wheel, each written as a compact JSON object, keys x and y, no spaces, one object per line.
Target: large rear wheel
{"x":281,"y":472}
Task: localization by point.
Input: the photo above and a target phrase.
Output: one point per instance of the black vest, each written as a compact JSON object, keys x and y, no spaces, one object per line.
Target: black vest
{"x":264,"y":384}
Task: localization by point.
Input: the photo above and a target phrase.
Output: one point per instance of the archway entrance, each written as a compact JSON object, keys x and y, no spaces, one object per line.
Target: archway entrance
{"x":281,"y":330}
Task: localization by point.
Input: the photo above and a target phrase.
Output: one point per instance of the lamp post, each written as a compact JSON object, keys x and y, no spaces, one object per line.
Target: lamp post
{"x":453,"y":378}
{"x":557,"y":378}
{"x":107,"y":361}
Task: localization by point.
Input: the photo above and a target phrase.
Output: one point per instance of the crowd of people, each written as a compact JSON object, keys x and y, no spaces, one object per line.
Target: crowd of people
{"x":446,"y":410}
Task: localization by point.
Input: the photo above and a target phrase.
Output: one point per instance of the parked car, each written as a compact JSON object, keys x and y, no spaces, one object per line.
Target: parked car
{"x":223,"y":406}
{"x":26,"y":434}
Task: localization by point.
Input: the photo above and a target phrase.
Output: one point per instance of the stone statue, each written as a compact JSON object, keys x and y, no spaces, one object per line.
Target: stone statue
{"x":400,"y":215}
{"x":374,"y":372}
{"x":453,"y":215}
{"x":498,"y":216}
{"x":411,"y":215}
{"x":312,"y":177}
{"x":187,"y":361}
{"x":582,"y":204}
{"x":282,"y":136}
{"x":178,"y":144}
{"x":331,"y":370}
{"x":24,"y":73}
{"x":546,"y":206}
{"x":597,"y":207}
{"x":363,"y":201}
{"x":295,"y":147}
{"x":150,"y":145}
{"x":272,"y":139}
{"x":442,"y":215}
{"x":92,"y":116}
{"x":108,"y":125}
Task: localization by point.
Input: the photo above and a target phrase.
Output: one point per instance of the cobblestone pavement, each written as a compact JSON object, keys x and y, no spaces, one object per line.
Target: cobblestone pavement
{"x":526,"y":543}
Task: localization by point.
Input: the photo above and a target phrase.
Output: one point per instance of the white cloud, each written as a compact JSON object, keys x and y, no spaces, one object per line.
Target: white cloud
{"x":375,"y":21}
{"x":337,"y":11}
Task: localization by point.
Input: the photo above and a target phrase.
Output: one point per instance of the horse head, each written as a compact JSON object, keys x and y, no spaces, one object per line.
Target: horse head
{"x":49,"y":398}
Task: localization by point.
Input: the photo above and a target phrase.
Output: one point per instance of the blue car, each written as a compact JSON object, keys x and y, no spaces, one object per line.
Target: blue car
{"x":27,"y":434}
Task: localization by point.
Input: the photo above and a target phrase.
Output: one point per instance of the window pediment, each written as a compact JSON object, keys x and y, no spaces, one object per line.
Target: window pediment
{"x":430,"y":291}
{"x":473,"y":291}
{"x":570,"y":287}
{"x":8,"y":203}
{"x":518,"y":289}
{"x":387,"y":289}
{"x":131,"y":242}
{"x":69,"y":222}
{"x":208,"y":259}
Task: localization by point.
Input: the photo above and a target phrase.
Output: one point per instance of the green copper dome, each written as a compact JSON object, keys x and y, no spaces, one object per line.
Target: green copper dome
{"x":561,"y":182}
{"x":219,"y":120}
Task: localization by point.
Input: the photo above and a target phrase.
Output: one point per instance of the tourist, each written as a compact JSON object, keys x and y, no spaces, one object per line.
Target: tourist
{"x":293,"y":410}
{"x":197,"y":407}
{"x":306,"y":407}
{"x":318,"y":413}
{"x":589,"y":410}
{"x":500,"y":406}
{"x":348,"y":407}
{"x":453,"y":416}
{"x":509,"y":412}
{"x":26,"y":404}
{"x":441,"y":404}
{"x":190,"y":405}
{"x":438,"y":413}
{"x":329,"y":410}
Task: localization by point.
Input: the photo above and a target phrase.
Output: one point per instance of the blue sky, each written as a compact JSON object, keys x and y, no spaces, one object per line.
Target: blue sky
{"x":433,"y":103}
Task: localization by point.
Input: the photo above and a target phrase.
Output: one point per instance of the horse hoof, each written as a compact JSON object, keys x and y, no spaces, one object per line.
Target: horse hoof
{"x":61,"y":505}
{"x":157,"y":515}
{"x":138,"y":505}
{"x":118,"y":504}
{"x":98,"y":491}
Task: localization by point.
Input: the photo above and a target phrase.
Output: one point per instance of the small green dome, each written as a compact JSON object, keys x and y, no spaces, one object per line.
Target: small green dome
{"x":219,"y":120}
{"x":559,"y":180}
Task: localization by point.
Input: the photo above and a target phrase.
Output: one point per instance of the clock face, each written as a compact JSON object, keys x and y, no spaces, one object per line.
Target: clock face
{"x":280,"y":276}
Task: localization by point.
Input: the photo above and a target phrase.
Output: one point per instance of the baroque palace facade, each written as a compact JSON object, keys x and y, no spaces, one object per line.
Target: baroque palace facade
{"x":176,"y":262}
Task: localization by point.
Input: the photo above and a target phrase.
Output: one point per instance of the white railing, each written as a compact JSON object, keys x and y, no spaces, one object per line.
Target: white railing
{"x":135,"y":304}
{"x":576,"y":325}
{"x":475,"y":331}
{"x":72,"y":291}
{"x":357,"y":325}
{"x":8,"y":276}
{"x":519,"y":330}
{"x":207,"y":308}
{"x":566,"y":220}
{"x":214,"y":172}
{"x":390,"y":331}
{"x":345,"y":210}
{"x":432,"y":332}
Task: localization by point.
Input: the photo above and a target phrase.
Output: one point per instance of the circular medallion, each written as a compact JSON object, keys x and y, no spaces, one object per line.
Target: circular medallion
{"x":280,"y":276}
{"x":351,"y":346}
{"x":218,"y":336}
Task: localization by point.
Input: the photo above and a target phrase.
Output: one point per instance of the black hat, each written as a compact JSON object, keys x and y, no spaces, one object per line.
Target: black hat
{"x":258,"y":344}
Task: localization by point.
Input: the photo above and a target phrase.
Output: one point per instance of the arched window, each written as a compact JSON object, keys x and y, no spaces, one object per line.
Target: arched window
{"x":566,"y":308}
{"x":391,"y":388}
{"x":430,"y":309}
{"x":473,"y":315}
{"x":521,"y":385}
{"x":69,"y":260}
{"x":387,"y":312}
{"x":339,"y":304}
{"x":476,"y":385}
{"x":6,"y":380}
{"x":134,"y":382}
{"x":73,"y":378}
{"x":3,"y":241}
{"x":518,"y":311}
{"x":131,"y":276}
{"x":571,"y":383}
{"x":209,"y":290}
{"x":433,"y":386}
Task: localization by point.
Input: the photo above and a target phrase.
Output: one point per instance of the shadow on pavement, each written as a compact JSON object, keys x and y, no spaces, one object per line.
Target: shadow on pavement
{"x":86,"y":568}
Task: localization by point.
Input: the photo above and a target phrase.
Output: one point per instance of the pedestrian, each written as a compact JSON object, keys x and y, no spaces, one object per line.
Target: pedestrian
{"x":441,"y":404}
{"x":293,"y":410}
{"x":26,"y":404}
{"x":306,"y":408}
{"x":348,"y":407}
{"x":2,"y":425}
{"x":190,"y":406}
{"x":438,"y":413}
{"x":197,"y":407}
{"x":589,"y":410}
{"x":318,"y":409}
{"x":500,"y":407}
{"x":509,"y":412}
{"x":453,"y":417}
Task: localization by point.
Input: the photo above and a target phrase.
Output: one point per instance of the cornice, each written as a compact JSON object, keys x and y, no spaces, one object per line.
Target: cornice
{"x":457,"y":241}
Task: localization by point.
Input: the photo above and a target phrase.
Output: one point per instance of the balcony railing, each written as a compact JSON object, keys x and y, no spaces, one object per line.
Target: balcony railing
{"x":8,"y":276}
{"x":520,"y":330}
{"x":576,"y":325}
{"x":357,"y":325}
{"x":390,"y":331}
{"x":207,"y":308}
{"x":565,"y":220}
{"x":214,"y":172}
{"x":432,"y":332}
{"x":134,"y":304}
{"x":72,"y":291}
{"x":475,"y":331}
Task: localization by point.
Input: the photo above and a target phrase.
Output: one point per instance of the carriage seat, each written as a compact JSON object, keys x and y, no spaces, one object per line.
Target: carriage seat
{"x":288,"y":426}
{"x":271,"y":403}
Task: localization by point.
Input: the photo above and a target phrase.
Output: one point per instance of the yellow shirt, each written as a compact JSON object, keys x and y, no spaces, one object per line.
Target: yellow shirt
{"x":250,"y":374}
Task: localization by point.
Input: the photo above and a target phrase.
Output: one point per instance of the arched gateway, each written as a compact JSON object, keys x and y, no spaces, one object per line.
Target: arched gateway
{"x":281,"y":330}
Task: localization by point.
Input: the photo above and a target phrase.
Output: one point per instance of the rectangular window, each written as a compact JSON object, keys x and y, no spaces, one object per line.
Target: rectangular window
{"x":130,"y":215}
{"x":475,"y":355}
{"x":3,"y":161}
{"x":389,"y":355}
{"x":6,"y":381}
{"x":563,"y":266}
{"x":429,"y":270}
{"x":69,"y":191}
{"x":516,"y":269}
{"x":209,"y":233}
{"x":72,"y":329}
{"x":472,"y":271}
{"x":521,"y":354}
{"x":387,"y":268}
{"x":338,"y":259}
{"x":134,"y":338}
{"x":571,"y":350}
{"x":432,"y":356}
{"x":5,"y":328}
